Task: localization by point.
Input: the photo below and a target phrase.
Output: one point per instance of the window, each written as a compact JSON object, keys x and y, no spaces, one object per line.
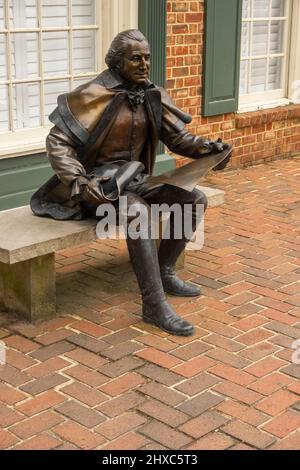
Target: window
{"x":264,"y":53}
{"x":49,"y":47}
{"x":46,"y":47}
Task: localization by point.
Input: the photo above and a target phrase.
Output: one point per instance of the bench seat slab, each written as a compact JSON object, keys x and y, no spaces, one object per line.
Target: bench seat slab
{"x":28,"y":288}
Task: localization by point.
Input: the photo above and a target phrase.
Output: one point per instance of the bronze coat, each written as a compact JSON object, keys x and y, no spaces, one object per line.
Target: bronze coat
{"x":82,"y":121}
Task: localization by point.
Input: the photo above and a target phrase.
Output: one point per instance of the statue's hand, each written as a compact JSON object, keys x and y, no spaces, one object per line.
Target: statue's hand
{"x":225,"y":162}
{"x":91,"y":192}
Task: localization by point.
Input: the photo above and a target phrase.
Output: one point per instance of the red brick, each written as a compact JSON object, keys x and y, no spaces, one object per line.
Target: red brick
{"x":119,"y":405}
{"x":254,"y":336}
{"x":164,"y":413}
{"x":86,"y":375}
{"x":31,"y":426}
{"x":6,"y":439}
{"x":224,"y":343}
{"x":157,"y":357}
{"x":45,"y":368}
{"x":165,"y":435}
{"x":19,"y":360}
{"x":232,"y":374}
{"x":271,"y":383}
{"x":21,"y":344}
{"x":284,"y":424}
{"x":240,"y":299}
{"x":194,"y":366}
{"x":265,"y":366}
{"x":242,"y":412}
{"x":84,"y":394}
{"x":259,"y":351}
{"x":81,"y":414}
{"x":40,"y":442}
{"x":122,"y":384}
{"x":41,"y":403}
{"x":90,"y":328}
{"x":10,"y":396}
{"x":8,"y":416}
{"x":237,"y":392}
{"x":295,"y":388}
{"x":161,"y":393}
{"x":87,"y":358}
{"x":129,"y":441}
{"x":120,"y":425}
{"x":78,"y":435}
{"x":277,"y":403}
{"x":156,"y":342}
{"x":248,"y":434}
{"x":207,"y":422}
{"x":12,"y":376}
{"x":289,"y":443}
{"x":226,"y":357}
{"x":213,"y":441}
{"x":250,"y":323}
{"x":54,"y":336}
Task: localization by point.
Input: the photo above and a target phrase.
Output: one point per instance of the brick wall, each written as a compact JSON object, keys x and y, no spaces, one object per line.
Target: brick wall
{"x":256,"y":136}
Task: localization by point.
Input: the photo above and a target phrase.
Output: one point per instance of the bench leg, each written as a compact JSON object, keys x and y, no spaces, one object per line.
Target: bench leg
{"x":28,"y":287}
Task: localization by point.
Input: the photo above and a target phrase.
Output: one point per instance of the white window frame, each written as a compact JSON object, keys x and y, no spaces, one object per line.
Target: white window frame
{"x":282,"y":96}
{"x":112,"y":17}
{"x":294,"y":66}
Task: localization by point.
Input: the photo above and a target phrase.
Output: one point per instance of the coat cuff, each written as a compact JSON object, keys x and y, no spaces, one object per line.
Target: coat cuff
{"x":78,"y":187}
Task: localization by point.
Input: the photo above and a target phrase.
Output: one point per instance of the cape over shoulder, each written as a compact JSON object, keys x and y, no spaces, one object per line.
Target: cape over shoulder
{"x":79,"y":111}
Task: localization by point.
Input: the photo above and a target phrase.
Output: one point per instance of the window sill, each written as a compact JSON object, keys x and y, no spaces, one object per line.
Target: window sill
{"x":267,"y":116}
{"x":23,"y":142}
{"x":251,"y":107}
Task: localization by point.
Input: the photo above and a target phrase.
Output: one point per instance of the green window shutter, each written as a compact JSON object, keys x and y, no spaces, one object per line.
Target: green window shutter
{"x":223,"y":20}
{"x":153,"y":24}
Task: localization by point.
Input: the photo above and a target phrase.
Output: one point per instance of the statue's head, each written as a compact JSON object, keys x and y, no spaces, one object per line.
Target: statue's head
{"x":129,"y":55}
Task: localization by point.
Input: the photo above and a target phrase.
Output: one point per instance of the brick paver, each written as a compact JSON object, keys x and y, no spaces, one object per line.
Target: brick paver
{"x":97,"y":377}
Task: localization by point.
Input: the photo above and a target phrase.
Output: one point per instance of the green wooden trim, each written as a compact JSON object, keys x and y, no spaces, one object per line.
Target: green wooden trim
{"x":20,"y":177}
{"x":153,"y":24}
{"x":164,"y":163}
{"x":223,"y":24}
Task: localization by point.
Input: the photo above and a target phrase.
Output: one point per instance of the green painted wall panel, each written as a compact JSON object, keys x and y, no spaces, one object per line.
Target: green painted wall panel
{"x":223,"y":20}
{"x":20,"y":177}
{"x":153,"y":24}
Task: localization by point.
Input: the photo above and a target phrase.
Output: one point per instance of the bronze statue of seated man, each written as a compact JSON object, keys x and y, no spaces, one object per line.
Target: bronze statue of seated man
{"x":103,"y":145}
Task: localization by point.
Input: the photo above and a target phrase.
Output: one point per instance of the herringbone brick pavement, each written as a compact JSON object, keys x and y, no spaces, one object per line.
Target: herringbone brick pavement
{"x":96,"y":377}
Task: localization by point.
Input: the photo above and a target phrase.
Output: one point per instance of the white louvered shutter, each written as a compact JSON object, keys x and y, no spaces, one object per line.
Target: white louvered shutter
{"x":50,"y":59}
{"x":264,"y":47}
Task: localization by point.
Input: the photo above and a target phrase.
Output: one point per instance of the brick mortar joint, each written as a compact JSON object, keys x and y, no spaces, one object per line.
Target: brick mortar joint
{"x":267,"y":116}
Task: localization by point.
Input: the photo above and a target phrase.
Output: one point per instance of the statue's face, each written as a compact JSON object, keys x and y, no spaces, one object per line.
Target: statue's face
{"x":136,"y":62}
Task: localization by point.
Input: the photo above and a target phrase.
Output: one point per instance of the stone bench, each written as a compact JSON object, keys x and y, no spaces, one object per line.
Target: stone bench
{"x":27,"y":256}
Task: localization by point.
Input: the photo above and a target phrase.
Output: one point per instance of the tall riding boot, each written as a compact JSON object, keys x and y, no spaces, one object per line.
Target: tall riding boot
{"x":169,"y":252}
{"x":156,"y":310}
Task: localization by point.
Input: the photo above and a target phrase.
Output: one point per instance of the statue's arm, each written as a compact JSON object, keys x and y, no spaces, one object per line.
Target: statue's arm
{"x":175,"y":135}
{"x":62,"y":154}
{"x":180,"y":141}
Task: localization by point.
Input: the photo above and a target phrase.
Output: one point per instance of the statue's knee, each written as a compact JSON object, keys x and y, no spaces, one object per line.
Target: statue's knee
{"x":200,"y":198}
{"x":136,"y":207}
